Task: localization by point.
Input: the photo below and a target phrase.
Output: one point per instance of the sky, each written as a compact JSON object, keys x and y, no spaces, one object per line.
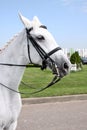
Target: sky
{"x":65,"y":19}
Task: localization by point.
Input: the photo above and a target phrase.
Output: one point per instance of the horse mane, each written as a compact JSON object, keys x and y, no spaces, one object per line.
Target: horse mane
{"x":9,"y":42}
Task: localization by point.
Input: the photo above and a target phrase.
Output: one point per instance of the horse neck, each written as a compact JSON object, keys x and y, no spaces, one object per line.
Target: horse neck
{"x":14,"y":54}
{"x":15,"y":50}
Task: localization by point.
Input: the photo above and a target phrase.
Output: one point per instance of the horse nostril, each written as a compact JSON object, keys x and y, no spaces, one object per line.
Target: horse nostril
{"x":66,"y":66}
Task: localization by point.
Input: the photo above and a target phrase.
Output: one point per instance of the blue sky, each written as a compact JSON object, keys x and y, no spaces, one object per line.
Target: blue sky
{"x":65,"y":19}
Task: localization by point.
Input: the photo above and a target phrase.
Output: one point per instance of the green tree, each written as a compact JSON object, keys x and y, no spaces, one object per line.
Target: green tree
{"x":76,"y":59}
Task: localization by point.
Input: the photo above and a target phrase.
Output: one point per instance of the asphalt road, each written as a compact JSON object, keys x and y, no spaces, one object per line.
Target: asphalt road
{"x":54,"y":116}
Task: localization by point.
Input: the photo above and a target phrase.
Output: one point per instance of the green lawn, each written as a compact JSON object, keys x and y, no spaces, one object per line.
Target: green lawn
{"x":74,"y":83}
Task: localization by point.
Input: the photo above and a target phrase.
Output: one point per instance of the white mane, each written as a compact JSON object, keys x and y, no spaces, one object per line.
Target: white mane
{"x":9,"y":42}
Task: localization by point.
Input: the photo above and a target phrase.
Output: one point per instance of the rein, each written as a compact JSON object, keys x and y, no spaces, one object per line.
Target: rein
{"x":45,"y":57}
{"x":54,"y":80}
{"x":14,"y":65}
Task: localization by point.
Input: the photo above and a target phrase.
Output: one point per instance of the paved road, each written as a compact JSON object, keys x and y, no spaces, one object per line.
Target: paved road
{"x":54,"y":116}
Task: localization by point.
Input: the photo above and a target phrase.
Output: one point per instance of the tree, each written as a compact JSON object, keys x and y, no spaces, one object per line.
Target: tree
{"x":76,"y":59}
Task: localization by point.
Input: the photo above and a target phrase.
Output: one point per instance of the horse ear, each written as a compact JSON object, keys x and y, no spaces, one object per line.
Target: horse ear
{"x":36,"y":20}
{"x":25,"y":21}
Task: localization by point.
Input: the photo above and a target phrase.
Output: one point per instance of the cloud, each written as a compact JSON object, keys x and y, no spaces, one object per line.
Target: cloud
{"x":84,"y":7}
{"x":80,"y":5}
{"x":67,"y":2}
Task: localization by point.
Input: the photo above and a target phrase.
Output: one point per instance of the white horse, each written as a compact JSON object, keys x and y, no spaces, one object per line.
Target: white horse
{"x":21,"y":51}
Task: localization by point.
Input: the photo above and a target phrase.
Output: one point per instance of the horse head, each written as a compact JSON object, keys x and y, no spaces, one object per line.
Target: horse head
{"x":43,"y":49}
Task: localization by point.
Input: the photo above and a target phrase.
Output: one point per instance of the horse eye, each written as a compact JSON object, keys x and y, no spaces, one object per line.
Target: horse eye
{"x":40,"y":37}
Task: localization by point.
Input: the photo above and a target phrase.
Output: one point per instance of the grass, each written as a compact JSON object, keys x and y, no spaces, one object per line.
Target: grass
{"x":74,"y":83}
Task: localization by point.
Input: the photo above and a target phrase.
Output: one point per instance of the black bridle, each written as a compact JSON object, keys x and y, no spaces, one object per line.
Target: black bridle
{"x":46,"y":59}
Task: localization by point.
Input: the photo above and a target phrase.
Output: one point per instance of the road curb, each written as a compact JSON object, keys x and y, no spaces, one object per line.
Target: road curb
{"x":28,"y":101}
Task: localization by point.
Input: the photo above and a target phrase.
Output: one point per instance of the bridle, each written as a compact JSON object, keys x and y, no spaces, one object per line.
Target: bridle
{"x":44,"y":56}
{"x":46,"y":59}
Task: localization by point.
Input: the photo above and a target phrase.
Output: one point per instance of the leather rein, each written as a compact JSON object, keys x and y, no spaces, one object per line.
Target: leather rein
{"x":45,"y":62}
